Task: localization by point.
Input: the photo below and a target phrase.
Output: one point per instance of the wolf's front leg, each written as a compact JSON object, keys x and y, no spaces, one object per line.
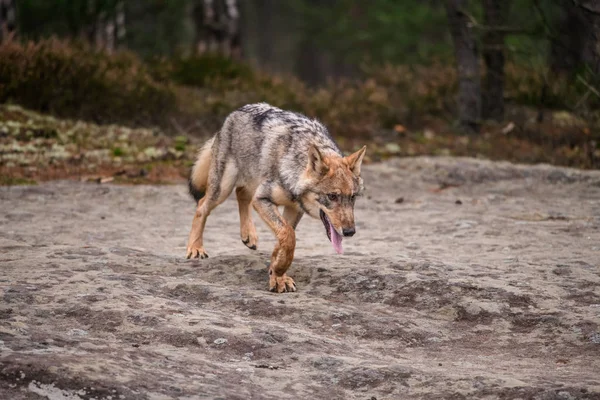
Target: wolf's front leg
{"x":282,"y":256}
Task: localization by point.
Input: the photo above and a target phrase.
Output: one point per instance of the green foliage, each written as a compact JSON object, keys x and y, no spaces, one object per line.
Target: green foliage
{"x":181,"y":142}
{"x":416,"y":31}
{"x":75,"y":81}
{"x":193,"y":95}
{"x":377,"y":31}
{"x":153,"y":26}
{"x":158,"y":27}
{"x":63,"y":18}
{"x":200,"y":70}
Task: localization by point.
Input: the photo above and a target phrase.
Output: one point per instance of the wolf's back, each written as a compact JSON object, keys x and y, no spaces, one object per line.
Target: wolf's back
{"x":260,"y":139}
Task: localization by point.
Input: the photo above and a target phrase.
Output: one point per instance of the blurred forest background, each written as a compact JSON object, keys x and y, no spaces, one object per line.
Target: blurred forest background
{"x":92,"y":84}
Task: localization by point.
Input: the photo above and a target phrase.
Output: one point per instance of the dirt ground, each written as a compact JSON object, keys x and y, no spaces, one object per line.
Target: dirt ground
{"x":466,"y":279}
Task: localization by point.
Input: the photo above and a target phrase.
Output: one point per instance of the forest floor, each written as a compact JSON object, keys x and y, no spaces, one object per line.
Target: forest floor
{"x":38,"y":147}
{"x":466,"y":279}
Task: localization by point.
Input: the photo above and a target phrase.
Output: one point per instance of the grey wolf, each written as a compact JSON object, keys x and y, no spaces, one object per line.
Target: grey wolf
{"x":275,"y":158}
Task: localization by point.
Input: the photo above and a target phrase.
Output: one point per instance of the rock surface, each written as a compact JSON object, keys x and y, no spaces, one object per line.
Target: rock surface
{"x":483,"y":282}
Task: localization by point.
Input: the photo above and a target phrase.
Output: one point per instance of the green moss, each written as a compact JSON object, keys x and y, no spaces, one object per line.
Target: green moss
{"x":14,"y":181}
{"x":181,"y":143}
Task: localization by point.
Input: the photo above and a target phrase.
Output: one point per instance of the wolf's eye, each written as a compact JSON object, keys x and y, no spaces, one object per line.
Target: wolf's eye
{"x":353,"y":197}
{"x":333,"y":196}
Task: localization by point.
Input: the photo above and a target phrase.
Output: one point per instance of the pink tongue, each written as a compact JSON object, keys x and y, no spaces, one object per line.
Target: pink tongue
{"x":336,"y":240}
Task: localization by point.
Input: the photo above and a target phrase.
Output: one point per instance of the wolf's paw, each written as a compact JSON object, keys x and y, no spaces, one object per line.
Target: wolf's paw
{"x":250,"y":238}
{"x":250,"y":241}
{"x":280,"y":284}
{"x":196,"y":252}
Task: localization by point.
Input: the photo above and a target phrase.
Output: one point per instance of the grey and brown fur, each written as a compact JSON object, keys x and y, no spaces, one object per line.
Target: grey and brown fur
{"x":272,"y":158}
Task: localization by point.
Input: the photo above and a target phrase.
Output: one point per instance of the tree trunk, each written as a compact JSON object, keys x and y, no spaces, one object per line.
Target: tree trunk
{"x":8,"y":18}
{"x":495,"y":16}
{"x":577,"y":41}
{"x":109,"y":33}
{"x":121,"y":31}
{"x":234,"y":39}
{"x":217,"y":24}
{"x":202,"y":16}
{"x":101,"y":27}
{"x":91,"y":18}
{"x":567,"y":47}
{"x":309,"y":62}
{"x":265,"y":20}
{"x":467,"y":62}
{"x":591,"y":43}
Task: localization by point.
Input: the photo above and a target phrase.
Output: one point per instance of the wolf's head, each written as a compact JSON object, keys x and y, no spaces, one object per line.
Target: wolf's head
{"x":333,"y":184}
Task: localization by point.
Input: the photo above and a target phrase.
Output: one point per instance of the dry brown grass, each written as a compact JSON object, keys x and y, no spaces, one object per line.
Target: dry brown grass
{"x":398,"y":110}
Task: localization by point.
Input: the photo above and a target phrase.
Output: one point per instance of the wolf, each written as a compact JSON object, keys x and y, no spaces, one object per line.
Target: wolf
{"x":275,"y":158}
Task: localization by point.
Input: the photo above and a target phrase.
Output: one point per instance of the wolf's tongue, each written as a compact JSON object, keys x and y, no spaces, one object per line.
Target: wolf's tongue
{"x":336,"y":240}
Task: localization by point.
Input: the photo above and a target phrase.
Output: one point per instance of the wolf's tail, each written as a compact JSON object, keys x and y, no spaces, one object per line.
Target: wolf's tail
{"x":199,"y":176}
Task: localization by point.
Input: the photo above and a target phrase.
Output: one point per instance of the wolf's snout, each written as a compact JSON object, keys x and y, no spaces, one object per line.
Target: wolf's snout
{"x":349,"y":231}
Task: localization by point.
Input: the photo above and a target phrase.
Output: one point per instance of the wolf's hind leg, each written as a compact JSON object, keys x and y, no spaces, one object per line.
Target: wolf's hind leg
{"x":195,"y":247}
{"x":218,"y":189}
{"x":283,"y":254}
{"x":247,"y":228}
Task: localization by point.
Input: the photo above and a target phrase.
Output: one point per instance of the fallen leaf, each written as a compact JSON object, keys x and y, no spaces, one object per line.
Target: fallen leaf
{"x":399,"y":128}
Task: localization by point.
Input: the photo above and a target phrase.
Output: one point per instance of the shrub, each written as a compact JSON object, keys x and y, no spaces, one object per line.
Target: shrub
{"x":74,"y":81}
{"x":540,"y":87}
{"x":409,"y":107}
{"x":423,"y":90}
{"x":199,"y":70}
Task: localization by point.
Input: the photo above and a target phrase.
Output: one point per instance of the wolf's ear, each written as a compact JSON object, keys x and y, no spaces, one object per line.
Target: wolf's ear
{"x":316,"y":162}
{"x":355,"y":160}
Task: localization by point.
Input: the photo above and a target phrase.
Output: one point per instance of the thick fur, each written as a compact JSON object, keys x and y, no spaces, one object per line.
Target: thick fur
{"x":199,"y":176}
{"x":274,"y":158}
